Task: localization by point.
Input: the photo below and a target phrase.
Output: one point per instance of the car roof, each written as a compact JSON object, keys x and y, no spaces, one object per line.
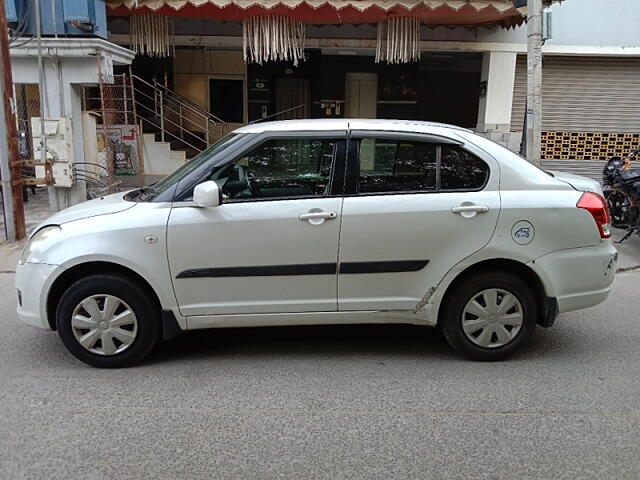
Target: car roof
{"x":336,"y":124}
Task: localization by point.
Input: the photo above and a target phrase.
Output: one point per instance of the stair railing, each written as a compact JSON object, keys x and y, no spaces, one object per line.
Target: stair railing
{"x":174,"y":116}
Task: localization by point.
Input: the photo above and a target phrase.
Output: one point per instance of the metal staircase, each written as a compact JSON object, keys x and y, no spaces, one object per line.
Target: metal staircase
{"x":135,"y":118}
{"x":173,"y":118}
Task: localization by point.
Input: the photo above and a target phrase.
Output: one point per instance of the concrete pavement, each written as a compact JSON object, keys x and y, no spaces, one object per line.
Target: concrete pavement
{"x":330,"y":403}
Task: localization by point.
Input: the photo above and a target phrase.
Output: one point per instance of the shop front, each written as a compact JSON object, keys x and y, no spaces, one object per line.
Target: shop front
{"x":442,"y":87}
{"x":246,"y":62}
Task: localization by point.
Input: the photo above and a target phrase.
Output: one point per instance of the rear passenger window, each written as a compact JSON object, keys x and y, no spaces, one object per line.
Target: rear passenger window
{"x":461,"y":170}
{"x":397,"y":166}
{"x":388,"y":166}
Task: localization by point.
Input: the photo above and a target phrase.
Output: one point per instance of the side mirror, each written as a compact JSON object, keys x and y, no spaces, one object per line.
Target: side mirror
{"x":207,"y":194}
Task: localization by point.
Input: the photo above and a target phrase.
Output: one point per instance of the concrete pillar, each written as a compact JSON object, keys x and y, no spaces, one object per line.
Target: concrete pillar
{"x":534,"y":81}
{"x":73,"y":99}
{"x":498,"y":71}
{"x":64,"y":100}
{"x":68,"y":64}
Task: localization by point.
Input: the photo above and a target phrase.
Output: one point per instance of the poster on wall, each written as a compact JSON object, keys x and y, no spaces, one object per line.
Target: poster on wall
{"x":118,"y":145}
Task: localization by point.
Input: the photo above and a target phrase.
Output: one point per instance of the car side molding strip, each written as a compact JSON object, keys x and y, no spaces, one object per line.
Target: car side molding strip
{"x":262,"y":271}
{"x":393,"y":266}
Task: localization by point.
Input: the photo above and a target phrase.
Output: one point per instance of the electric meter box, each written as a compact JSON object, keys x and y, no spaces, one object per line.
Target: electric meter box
{"x":59,"y":148}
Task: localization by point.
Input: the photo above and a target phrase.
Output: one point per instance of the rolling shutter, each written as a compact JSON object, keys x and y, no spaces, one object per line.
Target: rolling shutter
{"x":519,"y":95}
{"x":583,"y":94}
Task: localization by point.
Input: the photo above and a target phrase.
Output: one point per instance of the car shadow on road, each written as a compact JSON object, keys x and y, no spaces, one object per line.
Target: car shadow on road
{"x":402,"y":341}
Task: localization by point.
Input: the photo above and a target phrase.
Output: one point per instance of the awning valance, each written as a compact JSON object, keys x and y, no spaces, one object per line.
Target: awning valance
{"x":432,"y":12}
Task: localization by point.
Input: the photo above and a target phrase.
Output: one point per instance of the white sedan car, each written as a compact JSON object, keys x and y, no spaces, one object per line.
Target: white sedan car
{"x":324,"y":222}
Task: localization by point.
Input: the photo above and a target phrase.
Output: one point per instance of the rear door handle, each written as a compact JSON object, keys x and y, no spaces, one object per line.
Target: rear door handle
{"x":318,"y":215}
{"x":470,"y":209}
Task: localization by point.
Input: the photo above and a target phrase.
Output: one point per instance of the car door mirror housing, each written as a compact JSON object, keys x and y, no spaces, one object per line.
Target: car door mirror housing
{"x":207,"y":194}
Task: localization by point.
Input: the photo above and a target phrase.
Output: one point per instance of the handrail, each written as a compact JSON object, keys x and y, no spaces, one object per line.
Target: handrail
{"x":185,"y":100}
{"x":143,"y":119}
{"x":160,"y":126}
{"x":157,"y":109}
{"x":179,"y":98}
{"x":170,"y":122}
{"x":166,"y":108}
{"x":174,"y":114}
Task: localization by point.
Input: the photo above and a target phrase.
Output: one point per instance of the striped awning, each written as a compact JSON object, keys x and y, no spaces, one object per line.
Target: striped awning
{"x":432,"y":12}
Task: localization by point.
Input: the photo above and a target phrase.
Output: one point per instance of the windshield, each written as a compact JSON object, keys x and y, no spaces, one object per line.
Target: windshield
{"x":172,"y":179}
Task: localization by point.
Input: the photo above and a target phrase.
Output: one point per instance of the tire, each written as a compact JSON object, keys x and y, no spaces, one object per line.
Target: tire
{"x":489,"y":345}
{"x":618,"y":208}
{"x":129,"y":332}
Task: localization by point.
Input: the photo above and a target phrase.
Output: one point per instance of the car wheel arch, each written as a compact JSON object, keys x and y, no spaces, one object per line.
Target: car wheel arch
{"x":498,"y":265}
{"x":76,"y":272}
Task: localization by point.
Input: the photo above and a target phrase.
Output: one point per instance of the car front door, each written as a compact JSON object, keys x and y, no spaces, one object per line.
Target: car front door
{"x":271,"y":246}
{"x":414,"y":207}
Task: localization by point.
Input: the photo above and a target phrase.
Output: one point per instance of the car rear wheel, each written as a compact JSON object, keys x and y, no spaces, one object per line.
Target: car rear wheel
{"x":489,"y":315}
{"x":107,"y":321}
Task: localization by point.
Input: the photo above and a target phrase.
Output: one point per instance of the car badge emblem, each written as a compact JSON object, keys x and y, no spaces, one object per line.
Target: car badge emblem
{"x":522,"y":232}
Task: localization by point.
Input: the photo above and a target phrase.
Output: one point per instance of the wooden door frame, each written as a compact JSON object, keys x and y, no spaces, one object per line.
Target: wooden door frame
{"x":274,"y":97}
{"x":245,"y":93}
{"x":360,"y":76}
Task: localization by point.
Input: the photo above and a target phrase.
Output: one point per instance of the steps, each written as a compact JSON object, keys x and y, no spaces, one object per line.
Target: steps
{"x":159,"y":158}
{"x":175,"y":121}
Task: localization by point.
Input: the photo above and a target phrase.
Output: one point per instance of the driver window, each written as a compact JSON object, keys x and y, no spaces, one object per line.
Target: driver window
{"x":294,"y":167}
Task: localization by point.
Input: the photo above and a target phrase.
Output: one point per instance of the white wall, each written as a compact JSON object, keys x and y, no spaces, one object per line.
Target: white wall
{"x":575,"y":22}
{"x":498,"y":71}
{"x":584,"y":22}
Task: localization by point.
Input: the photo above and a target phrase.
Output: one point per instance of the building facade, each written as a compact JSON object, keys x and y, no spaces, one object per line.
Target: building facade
{"x":53,"y":62}
{"x":473,"y":76}
{"x":197,"y":75}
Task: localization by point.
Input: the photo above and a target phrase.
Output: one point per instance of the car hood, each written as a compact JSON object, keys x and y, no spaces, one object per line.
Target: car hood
{"x":99,"y":206}
{"x":580,"y":183}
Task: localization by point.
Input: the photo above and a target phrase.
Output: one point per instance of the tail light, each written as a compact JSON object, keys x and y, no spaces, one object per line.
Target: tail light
{"x":596,"y":205}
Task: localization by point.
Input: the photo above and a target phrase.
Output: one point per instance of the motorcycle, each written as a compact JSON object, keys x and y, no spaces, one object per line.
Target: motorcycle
{"x":621,"y":185}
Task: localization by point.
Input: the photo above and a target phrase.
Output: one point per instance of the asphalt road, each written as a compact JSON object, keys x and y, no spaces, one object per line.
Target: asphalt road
{"x":329,"y":402}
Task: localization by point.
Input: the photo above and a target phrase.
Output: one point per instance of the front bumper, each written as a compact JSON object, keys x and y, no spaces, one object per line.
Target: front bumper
{"x":32,"y":283}
{"x":578,"y":277}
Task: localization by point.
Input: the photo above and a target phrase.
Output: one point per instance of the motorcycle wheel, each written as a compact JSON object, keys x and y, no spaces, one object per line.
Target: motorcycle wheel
{"x":618,"y":207}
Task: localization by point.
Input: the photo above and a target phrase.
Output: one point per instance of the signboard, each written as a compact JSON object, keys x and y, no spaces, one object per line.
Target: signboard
{"x":118,"y":145}
{"x":105,"y":68}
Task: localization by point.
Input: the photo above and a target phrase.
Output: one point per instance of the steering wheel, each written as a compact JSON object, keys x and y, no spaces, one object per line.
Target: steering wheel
{"x":223,"y":187}
{"x":252,"y":185}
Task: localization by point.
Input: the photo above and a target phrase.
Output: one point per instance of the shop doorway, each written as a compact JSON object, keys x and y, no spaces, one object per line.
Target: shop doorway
{"x":293,"y":98}
{"x":449,"y":87}
{"x":450,"y":97}
{"x":361,"y":95}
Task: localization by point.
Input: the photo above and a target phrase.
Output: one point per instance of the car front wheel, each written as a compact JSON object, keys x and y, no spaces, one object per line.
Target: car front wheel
{"x":489,"y":315}
{"x":107,"y":321}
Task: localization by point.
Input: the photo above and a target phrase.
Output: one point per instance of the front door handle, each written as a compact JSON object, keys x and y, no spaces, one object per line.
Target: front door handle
{"x":318,"y":215}
{"x":470,"y":209}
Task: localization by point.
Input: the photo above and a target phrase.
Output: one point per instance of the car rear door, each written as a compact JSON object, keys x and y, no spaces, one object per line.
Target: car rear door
{"x":415,"y":206}
{"x":271,"y":246}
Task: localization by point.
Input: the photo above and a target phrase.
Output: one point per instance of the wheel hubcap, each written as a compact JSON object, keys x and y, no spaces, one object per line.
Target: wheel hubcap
{"x":104,"y":324}
{"x":492,"y":318}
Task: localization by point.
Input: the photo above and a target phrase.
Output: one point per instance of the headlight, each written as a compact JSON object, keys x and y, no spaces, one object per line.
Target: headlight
{"x":37,"y":241}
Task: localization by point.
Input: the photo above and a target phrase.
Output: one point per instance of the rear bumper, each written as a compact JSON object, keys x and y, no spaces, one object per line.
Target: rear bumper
{"x":32,"y":282}
{"x":579,"y":277}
